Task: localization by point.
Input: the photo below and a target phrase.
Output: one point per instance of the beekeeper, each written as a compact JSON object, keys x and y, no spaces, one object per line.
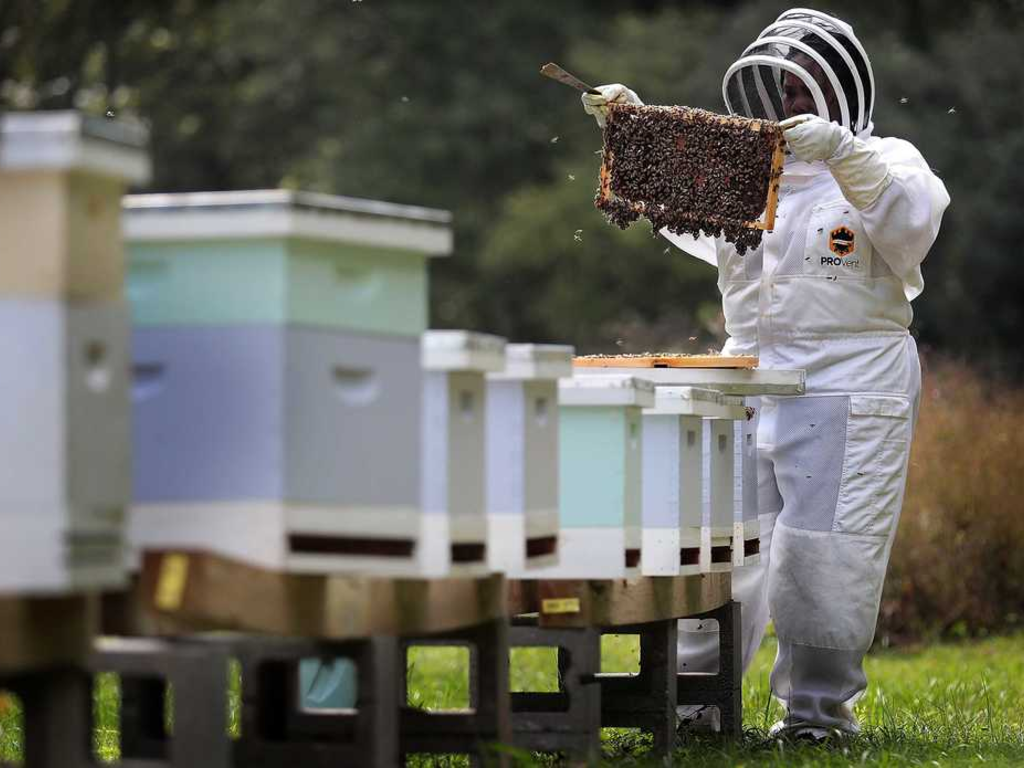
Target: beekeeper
{"x":828,"y":291}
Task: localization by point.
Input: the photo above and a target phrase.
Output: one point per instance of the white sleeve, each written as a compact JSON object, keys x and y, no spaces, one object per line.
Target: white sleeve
{"x":702,"y":247}
{"x":904,"y":221}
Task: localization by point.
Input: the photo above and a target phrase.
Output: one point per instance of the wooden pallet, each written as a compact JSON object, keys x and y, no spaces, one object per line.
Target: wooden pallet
{"x":619,"y":602}
{"x":192,"y":591}
{"x":665,"y":361}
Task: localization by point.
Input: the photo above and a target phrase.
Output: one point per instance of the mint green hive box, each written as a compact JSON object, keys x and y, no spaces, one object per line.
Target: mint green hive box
{"x":281,"y":257}
{"x":600,"y":474}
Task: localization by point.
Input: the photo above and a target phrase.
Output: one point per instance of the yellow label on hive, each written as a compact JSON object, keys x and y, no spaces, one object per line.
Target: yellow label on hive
{"x":170,"y":585}
{"x":560,"y":605}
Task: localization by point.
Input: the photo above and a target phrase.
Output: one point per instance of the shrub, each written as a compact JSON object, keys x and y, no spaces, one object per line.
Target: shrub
{"x":957,"y":567}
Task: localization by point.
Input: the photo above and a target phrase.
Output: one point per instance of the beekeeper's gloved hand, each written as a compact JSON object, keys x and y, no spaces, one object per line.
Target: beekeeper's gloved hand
{"x":859,"y":170}
{"x":597,"y":105}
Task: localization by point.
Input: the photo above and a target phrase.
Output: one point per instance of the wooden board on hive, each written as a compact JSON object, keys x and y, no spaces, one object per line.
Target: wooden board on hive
{"x":666,"y":360}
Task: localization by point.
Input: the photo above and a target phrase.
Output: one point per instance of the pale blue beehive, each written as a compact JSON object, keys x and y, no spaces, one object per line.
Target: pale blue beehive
{"x":673,"y":478}
{"x":522,"y":457}
{"x":452,"y":440}
{"x":278,"y":390}
{"x":65,"y":409}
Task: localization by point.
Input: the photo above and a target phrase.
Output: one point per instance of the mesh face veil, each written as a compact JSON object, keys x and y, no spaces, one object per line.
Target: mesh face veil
{"x":803,"y":42}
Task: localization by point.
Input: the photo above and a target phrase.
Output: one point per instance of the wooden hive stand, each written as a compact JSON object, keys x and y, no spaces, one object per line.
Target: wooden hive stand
{"x":571,"y":615}
{"x":276,"y":620}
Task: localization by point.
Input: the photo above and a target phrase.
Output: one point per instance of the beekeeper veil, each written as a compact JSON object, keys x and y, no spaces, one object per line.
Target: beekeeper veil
{"x":801,"y":42}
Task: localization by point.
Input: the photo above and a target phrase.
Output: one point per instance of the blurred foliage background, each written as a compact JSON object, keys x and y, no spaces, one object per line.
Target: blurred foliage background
{"x":441,"y":104}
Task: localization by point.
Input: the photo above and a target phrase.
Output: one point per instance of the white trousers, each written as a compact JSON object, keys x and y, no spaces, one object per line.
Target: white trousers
{"x":831,"y":477}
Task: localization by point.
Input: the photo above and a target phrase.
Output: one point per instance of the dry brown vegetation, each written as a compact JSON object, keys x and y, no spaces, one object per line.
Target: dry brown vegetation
{"x":957,"y":568}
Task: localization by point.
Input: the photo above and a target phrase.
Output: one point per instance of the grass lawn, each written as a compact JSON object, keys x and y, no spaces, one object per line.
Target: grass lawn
{"x":944,"y":705}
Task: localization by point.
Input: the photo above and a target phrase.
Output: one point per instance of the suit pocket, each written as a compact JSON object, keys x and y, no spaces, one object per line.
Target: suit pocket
{"x":874,"y":465}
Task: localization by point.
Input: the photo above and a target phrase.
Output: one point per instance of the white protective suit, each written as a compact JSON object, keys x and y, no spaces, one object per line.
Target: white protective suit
{"x":828,"y":291}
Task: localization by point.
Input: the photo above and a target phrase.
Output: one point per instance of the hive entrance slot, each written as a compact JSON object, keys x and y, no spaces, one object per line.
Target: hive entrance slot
{"x":689,"y":556}
{"x":721,"y":554}
{"x":315,"y":544}
{"x":469,"y":553}
{"x":541,"y":546}
{"x":632,"y":558}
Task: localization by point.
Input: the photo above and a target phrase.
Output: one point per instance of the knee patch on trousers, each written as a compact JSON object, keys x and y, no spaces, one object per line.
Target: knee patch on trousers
{"x":810,"y":440}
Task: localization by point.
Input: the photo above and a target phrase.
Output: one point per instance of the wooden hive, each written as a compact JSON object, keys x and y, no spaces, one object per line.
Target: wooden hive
{"x":600,"y":466}
{"x":691,"y":171}
{"x":65,"y":401}
{"x":453,"y":485}
{"x":725,"y":530}
{"x":746,"y":537}
{"x":522,"y":457}
{"x":278,"y":379}
{"x":673,"y":528}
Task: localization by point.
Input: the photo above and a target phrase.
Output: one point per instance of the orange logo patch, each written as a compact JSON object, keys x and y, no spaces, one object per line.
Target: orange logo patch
{"x":842,"y":241}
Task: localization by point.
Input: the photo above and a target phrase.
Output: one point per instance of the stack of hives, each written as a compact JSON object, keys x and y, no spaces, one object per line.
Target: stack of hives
{"x":279,"y":392}
{"x":64,"y":390}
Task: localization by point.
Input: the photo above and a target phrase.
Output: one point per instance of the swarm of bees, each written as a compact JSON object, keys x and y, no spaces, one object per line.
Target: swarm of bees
{"x":689,"y":170}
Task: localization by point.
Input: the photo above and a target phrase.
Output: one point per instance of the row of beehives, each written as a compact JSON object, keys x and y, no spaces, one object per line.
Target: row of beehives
{"x":283,"y":404}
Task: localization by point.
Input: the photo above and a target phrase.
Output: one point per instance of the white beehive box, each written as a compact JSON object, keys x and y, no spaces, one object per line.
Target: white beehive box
{"x":453,"y":448}
{"x":719,"y":489}
{"x":746,"y":539}
{"x":64,"y":396}
{"x":522,"y":457}
{"x":600,"y":470}
{"x":673,"y":452}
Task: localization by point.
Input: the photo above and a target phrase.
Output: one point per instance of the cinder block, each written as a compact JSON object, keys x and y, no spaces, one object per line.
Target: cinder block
{"x":265,"y":257}
{"x":290,"y":447}
{"x":453,"y":448}
{"x":62,"y":176}
{"x":64,"y":444}
{"x":600,"y":469}
{"x":522,"y":457}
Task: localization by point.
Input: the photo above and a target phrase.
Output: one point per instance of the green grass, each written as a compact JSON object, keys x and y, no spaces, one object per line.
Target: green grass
{"x":942,"y":705}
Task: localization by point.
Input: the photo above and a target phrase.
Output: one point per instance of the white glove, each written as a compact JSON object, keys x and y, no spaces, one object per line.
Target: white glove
{"x":597,"y":105}
{"x":860,"y":171}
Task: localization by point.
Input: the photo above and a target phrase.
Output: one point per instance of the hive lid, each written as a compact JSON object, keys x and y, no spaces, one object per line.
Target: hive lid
{"x":72,"y":141}
{"x":694,"y":401}
{"x":536,"y":361}
{"x":684,"y":401}
{"x":606,"y":390}
{"x":285,"y":213}
{"x":462,"y":351}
